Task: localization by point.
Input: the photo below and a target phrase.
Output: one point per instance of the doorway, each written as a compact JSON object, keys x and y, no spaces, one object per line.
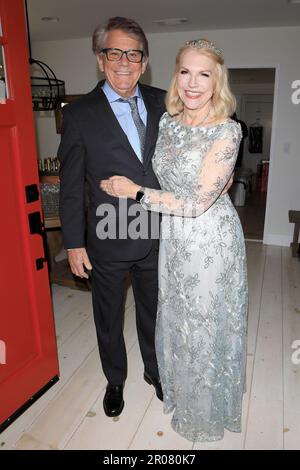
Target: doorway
{"x":254,"y":92}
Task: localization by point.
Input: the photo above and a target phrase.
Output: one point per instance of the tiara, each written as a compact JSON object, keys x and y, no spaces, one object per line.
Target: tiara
{"x":204,"y":44}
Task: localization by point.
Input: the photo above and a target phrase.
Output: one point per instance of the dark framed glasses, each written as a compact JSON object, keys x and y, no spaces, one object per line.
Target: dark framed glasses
{"x":114,"y":54}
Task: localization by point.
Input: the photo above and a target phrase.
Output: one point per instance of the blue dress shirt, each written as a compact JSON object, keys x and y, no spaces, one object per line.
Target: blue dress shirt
{"x":123,"y":113}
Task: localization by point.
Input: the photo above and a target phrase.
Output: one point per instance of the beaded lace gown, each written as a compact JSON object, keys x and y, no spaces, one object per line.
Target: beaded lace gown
{"x":202,"y":312}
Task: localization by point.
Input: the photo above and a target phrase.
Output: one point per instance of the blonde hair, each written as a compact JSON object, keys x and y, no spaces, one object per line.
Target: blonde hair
{"x":224,"y":102}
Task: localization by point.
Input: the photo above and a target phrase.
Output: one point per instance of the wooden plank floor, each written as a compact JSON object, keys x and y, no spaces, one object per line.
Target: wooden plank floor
{"x":70,"y":415}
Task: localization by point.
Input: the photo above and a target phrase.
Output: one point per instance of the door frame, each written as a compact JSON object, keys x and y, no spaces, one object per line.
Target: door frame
{"x":276,"y":67}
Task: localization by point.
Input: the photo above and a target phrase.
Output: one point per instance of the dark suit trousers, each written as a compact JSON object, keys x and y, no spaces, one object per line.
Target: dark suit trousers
{"x":108,"y":292}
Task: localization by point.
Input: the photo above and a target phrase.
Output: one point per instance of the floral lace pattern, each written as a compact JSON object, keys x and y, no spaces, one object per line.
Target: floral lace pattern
{"x":202,"y":312}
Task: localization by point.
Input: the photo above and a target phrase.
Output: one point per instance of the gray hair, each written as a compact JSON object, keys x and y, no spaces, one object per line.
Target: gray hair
{"x":128,"y":26}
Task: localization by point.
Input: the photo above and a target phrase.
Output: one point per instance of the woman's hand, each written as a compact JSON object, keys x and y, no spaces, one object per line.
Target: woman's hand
{"x":120,"y":186}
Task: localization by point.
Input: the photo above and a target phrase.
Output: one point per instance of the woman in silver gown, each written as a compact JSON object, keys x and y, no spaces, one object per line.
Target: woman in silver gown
{"x":202,"y":311}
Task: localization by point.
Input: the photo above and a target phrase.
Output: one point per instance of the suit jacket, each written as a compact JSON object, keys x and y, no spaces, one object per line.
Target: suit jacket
{"x":94,"y":147}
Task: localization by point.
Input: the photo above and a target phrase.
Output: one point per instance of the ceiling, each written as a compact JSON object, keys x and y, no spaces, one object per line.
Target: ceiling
{"x":78,"y":18}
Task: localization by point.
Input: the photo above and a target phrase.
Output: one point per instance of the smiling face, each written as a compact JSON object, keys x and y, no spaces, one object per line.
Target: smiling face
{"x":122,"y":75}
{"x":195,"y":80}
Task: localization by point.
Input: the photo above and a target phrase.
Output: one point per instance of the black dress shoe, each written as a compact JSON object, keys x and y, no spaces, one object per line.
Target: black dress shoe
{"x":155,"y":381}
{"x":113,"y":402}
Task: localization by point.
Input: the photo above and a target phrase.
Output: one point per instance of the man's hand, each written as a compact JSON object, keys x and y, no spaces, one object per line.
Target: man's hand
{"x":120,"y":186}
{"x":228,"y":185}
{"x":78,"y":260}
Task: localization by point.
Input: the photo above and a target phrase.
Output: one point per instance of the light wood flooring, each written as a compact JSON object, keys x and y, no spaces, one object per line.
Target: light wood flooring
{"x":70,"y":414}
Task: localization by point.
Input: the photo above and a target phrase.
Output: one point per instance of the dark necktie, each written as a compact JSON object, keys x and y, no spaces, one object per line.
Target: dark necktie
{"x":140,"y":126}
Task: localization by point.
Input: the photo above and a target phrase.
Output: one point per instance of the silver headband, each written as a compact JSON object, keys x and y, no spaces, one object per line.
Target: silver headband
{"x":204,"y":44}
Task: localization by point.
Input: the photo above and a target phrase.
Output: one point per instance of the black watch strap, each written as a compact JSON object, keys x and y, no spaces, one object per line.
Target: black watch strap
{"x":139,"y":195}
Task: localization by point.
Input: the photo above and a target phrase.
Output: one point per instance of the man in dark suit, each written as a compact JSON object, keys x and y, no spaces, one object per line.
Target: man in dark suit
{"x":113,"y":130}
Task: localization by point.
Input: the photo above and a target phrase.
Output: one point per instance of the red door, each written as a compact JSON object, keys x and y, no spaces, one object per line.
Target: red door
{"x":28,"y":355}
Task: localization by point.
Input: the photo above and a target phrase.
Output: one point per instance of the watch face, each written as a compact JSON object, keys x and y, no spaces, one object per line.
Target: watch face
{"x":139,"y":196}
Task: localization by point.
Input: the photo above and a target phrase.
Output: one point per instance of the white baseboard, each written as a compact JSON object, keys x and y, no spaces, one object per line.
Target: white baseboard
{"x":278,"y":240}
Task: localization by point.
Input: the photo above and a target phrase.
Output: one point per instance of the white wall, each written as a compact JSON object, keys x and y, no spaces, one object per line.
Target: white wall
{"x":73,"y":61}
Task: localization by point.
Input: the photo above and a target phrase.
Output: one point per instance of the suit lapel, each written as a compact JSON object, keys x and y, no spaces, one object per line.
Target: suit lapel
{"x":153,"y":115}
{"x":106,"y":118}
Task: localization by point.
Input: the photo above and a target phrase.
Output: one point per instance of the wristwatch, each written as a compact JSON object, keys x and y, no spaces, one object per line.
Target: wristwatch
{"x":139,"y":195}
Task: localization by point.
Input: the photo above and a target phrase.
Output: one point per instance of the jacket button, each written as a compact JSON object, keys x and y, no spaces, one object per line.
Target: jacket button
{"x":145,"y":173}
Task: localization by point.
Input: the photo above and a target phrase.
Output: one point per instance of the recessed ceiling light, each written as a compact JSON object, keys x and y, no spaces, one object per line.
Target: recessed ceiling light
{"x":50,"y":19}
{"x":171,"y":21}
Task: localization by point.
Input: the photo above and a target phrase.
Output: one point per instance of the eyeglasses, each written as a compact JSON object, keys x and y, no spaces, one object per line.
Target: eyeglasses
{"x":114,"y":54}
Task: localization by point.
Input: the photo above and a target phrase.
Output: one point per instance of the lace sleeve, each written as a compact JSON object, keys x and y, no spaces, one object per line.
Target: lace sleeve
{"x":215,"y":171}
